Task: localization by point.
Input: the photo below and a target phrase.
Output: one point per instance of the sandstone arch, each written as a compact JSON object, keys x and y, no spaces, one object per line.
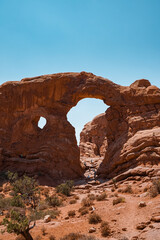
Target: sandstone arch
{"x":53,"y":150}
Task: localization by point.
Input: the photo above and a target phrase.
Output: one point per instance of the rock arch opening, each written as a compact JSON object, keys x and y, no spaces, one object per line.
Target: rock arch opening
{"x":88,"y":119}
{"x":42,"y":122}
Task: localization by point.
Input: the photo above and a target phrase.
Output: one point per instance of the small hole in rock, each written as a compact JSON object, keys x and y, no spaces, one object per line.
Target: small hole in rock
{"x":42,"y":122}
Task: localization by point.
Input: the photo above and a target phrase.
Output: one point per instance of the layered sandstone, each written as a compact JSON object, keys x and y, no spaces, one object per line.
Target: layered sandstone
{"x":93,"y":138}
{"x":132,"y":124}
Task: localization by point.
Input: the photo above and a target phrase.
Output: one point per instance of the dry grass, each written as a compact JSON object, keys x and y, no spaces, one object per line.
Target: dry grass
{"x":86,"y":202}
{"x":94,"y":218}
{"x":83,"y":210}
{"x":77,"y":236}
{"x":101,"y":197}
{"x":155,"y":188}
{"x":105,"y":229}
{"x":118,"y":200}
{"x":91,"y":196}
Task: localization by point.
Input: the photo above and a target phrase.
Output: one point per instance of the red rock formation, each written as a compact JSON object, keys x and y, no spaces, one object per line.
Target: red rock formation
{"x":53,"y":149}
{"x":93,"y":138}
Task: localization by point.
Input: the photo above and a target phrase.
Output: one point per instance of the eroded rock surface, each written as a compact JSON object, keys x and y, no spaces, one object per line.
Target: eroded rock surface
{"x":93,"y":138}
{"x":132,"y":124}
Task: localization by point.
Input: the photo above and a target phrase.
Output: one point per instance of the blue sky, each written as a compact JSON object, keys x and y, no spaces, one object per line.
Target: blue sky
{"x":117,"y":39}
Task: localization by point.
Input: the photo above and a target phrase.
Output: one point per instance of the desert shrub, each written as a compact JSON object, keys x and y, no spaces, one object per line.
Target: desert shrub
{"x":86,"y":202}
{"x":145,"y":189}
{"x":71,"y":213}
{"x":155,"y":188}
{"x":36,"y":215}
{"x":42,"y":206}
{"x":128,"y":189}
{"x":73,"y":201}
{"x":118,"y":200}
{"x":91,"y":196}
{"x":52,"y":237}
{"x":65,"y":188}
{"x":77,"y":236}
{"x":114,"y":182}
{"x":105,"y":229}
{"x":101,"y":197}
{"x":94,"y":218}
{"x":83,"y":210}
{"x":54,"y":201}
{"x":45,"y":192}
{"x":16,"y":201}
{"x":5,"y":203}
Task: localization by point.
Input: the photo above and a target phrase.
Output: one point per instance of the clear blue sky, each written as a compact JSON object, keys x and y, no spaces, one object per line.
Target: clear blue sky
{"x":117,"y":39}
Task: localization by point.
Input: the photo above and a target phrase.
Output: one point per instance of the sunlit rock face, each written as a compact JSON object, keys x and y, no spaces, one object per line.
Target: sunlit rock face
{"x":132,"y":124}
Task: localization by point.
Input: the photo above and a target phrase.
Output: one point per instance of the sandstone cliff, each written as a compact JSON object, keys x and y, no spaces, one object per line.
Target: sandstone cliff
{"x":132,"y":124}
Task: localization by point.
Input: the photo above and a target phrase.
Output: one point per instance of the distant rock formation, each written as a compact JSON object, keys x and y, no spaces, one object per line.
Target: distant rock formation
{"x":93,"y":138}
{"x":132,"y":125}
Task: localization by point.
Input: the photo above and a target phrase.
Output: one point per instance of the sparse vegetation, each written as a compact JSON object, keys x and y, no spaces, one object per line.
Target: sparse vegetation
{"x":71,"y":213}
{"x":155,"y":188}
{"x":52,"y":237}
{"x":118,"y":200}
{"x":128,"y":189}
{"x":105,"y":229}
{"x":73,"y":201}
{"x":77,"y":236}
{"x":25,"y":193}
{"x":5,"y":203}
{"x":114,"y":183}
{"x":83,"y":210}
{"x":91,"y":196}
{"x":86,"y":202}
{"x":94,"y":218}
{"x":36,"y":215}
{"x":54,"y":200}
{"x":65,"y":188}
{"x":101,"y":197}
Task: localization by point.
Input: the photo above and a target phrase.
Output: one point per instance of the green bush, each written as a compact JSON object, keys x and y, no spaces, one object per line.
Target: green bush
{"x":18,"y":223}
{"x":54,"y":201}
{"x":94,"y":218}
{"x":65,"y":188}
{"x":16,"y":201}
{"x":5,"y":203}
